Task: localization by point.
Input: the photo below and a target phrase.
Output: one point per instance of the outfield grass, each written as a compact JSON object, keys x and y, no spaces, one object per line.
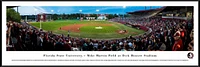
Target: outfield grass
{"x":108,"y":32}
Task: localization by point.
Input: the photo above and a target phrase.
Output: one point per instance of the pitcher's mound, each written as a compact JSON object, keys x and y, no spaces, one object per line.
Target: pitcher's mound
{"x":122,"y":31}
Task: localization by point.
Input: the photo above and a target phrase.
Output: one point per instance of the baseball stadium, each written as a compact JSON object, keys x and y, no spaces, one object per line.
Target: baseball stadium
{"x":105,"y":28}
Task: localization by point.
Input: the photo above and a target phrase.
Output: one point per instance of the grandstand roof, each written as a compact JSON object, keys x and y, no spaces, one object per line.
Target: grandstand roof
{"x":142,"y":11}
{"x":164,"y":9}
{"x":170,"y":8}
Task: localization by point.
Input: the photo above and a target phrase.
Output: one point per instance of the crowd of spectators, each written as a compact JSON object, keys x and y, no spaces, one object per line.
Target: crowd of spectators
{"x":165,"y":35}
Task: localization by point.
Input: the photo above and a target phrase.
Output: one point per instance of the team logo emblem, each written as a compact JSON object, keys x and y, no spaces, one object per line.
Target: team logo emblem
{"x":190,"y":55}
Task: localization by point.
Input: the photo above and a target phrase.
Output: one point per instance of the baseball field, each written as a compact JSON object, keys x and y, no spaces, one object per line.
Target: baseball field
{"x":89,"y":29}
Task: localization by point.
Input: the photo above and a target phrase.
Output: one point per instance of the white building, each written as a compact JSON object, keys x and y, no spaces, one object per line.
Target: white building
{"x":102,"y":17}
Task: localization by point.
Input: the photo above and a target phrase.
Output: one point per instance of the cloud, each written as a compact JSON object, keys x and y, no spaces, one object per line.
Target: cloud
{"x":30,"y":10}
{"x":110,"y":7}
{"x":59,"y":9}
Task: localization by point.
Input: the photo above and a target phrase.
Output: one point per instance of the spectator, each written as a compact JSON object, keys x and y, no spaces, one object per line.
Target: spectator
{"x":178,"y":45}
{"x":191,"y":44}
{"x":161,"y":34}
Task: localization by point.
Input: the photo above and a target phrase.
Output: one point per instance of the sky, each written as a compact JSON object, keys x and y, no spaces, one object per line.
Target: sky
{"x":32,"y":10}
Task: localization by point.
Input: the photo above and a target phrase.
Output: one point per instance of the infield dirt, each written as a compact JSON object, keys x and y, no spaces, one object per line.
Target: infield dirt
{"x":76,"y":27}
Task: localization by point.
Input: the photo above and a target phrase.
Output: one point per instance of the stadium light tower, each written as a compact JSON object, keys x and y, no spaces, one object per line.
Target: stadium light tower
{"x":117,"y":16}
{"x":124,"y":7}
{"x":80,"y":13}
{"x":97,"y":12}
{"x":51,"y":14}
{"x":35,"y":14}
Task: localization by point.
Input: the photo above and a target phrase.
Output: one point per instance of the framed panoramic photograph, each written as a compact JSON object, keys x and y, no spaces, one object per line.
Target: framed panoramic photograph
{"x":71,"y":33}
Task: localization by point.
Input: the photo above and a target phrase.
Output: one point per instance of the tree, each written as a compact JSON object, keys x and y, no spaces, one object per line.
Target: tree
{"x":55,"y":16}
{"x":64,"y":16}
{"x":115,"y":15}
{"x":110,"y":16}
{"x":12,"y":15}
{"x":126,"y":15}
